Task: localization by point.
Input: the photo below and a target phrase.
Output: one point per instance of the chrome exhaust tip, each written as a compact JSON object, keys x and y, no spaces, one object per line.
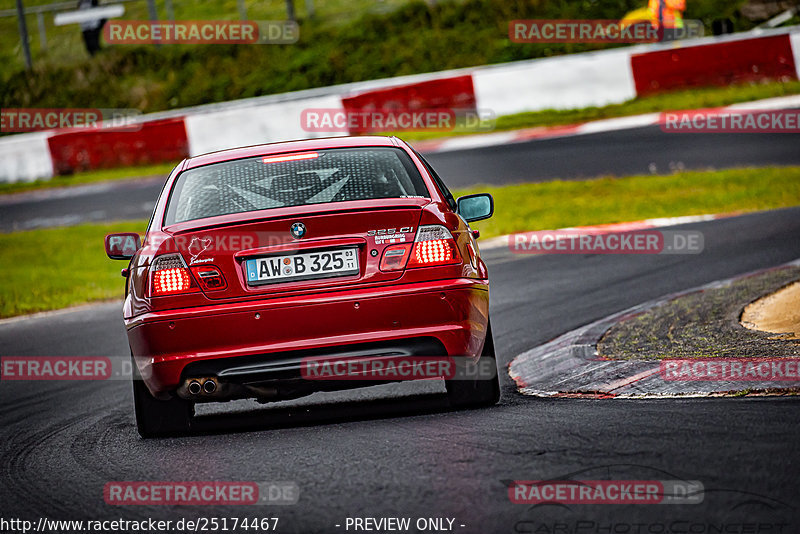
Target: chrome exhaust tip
{"x":195,"y":388}
{"x":209,"y":386}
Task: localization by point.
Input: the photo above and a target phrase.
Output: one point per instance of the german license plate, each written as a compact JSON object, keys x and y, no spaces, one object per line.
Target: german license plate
{"x":302,"y":266}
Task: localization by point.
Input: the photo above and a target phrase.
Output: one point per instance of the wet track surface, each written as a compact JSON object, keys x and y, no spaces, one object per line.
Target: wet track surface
{"x":635,"y":151}
{"x":398,"y":450}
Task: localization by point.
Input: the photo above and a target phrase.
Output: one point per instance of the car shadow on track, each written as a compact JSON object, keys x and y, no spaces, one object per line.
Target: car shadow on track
{"x":322,"y":413}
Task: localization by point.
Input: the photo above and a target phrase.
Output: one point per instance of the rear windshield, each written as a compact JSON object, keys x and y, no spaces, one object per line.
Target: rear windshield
{"x":293,"y":179}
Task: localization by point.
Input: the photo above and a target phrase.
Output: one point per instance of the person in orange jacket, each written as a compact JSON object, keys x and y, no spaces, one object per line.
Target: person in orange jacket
{"x":667,"y":14}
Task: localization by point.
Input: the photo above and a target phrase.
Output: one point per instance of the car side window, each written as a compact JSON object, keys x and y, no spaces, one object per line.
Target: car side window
{"x":439,"y":182}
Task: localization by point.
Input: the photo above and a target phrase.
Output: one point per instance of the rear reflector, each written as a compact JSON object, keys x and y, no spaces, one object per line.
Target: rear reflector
{"x":472,"y":255}
{"x":290,"y":157}
{"x":395,"y":257}
{"x":169,"y":276}
{"x":210,"y":278}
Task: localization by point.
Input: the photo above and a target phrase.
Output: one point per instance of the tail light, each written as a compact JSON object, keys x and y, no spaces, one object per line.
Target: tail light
{"x":290,"y":157}
{"x":170,"y":276}
{"x":210,"y":278}
{"x":434,"y":245}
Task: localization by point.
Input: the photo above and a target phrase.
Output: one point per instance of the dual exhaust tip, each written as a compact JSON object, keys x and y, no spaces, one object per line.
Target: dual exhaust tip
{"x":207,"y":386}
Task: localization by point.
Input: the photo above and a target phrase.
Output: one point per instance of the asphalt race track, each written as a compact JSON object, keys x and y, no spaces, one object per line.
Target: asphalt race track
{"x":625,"y":152}
{"x":635,"y":151}
{"x":397,"y":450}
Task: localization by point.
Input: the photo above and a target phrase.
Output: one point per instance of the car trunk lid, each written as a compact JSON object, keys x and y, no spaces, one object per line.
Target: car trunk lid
{"x":333,"y":246}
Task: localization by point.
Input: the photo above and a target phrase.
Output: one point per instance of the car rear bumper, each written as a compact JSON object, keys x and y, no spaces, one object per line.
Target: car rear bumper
{"x":454,"y":313}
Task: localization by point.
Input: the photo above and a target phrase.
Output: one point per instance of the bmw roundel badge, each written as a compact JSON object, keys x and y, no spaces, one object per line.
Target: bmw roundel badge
{"x":298,"y":230}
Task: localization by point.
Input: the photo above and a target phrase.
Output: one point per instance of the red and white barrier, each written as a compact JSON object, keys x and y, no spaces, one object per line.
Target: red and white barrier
{"x":722,"y":63}
{"x":794,"y":39}
{"x":148,"y":143}
{"x":268,"y":123}
{"x":449,"y":92}
{"x":564,"y":82}
{"x":25,"y":157}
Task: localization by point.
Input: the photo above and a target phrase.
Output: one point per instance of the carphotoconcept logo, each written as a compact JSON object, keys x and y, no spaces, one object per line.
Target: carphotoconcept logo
{"x":201,"y":32}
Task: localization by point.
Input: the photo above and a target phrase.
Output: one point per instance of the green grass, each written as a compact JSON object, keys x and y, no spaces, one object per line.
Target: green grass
{"x":353,"y":41}
{"x":673,"y":101}
{"x":563,"y":204}
{"x":65,"y":44}
{"x":103,"y":175}
{"x":59,"y":267}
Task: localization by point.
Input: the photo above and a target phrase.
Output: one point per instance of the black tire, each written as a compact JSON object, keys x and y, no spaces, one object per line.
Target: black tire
{"x":480,"y":391}
{"x":156,"y":417}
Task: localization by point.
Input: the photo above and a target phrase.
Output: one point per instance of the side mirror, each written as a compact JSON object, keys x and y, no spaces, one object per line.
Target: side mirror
{"x":122,"y":246}
{"x":476,"y":207}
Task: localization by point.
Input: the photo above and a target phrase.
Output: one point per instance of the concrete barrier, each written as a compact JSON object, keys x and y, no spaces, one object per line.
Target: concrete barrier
{"x":209,"y":132}
{"x":564,"y":82}
{"x":25,"y":158}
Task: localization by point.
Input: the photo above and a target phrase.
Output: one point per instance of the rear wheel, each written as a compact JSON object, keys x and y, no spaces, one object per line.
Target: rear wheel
{"x":156,"y":417}
{"x":478,"y":391}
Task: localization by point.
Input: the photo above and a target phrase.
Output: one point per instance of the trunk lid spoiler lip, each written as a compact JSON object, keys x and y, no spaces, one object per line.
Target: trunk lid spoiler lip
{"x":295,"y":212}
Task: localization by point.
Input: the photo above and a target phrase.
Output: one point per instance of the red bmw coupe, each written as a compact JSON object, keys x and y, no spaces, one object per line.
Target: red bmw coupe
{"x":258,"y":260}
